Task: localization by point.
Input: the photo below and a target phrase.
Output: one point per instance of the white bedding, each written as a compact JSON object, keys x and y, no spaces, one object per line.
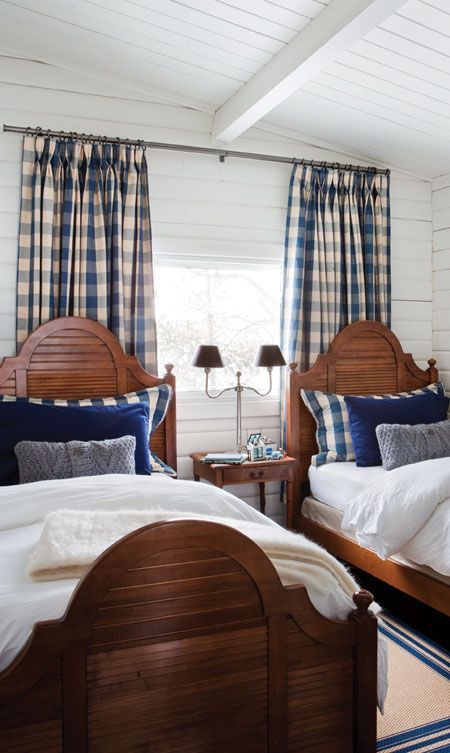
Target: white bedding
{"x":335,"y":484}
{"x":329,"y":517}
{"x":420,"y":526}
{"x":22,"y":512}
{"x":407,"y":511}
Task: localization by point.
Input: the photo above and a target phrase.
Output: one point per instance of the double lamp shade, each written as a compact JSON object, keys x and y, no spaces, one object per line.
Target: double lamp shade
{"x":208,"y":357}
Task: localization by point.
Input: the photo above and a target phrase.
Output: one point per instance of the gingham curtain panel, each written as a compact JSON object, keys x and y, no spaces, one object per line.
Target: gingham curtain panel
{"x":337,"y":257}
{"x":85,"y":240}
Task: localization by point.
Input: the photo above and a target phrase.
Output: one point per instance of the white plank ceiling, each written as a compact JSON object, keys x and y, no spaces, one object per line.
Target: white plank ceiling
{"x":386,"y":98}
{"x":389,"y":95}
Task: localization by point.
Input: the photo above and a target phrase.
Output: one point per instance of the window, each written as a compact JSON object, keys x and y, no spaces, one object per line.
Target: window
{"x":233,"y":306}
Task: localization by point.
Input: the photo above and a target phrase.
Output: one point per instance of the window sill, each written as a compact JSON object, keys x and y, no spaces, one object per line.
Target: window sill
{"x":199,"y":396}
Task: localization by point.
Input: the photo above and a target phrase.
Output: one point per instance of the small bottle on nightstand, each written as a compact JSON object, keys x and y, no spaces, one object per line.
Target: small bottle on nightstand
{"x":256,"y":449}
{"x":262,"y":449}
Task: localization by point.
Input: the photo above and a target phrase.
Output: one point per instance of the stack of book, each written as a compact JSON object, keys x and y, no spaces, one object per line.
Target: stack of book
{"x":231,"y":458}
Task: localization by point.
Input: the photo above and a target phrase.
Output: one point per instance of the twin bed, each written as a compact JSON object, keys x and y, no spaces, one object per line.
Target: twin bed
{"x":364,"y":358}
{"x":190,"y":633}
{"x":181,"y":636}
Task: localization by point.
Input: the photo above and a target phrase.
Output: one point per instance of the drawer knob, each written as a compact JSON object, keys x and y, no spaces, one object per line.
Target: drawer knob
{"x":260,"y":474}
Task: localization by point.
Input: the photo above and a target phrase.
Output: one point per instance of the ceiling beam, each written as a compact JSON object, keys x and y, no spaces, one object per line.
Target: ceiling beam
{"x":339,"y":25}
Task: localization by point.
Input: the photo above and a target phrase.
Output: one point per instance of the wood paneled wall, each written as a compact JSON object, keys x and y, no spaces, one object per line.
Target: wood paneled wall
{"x":202,"y":206}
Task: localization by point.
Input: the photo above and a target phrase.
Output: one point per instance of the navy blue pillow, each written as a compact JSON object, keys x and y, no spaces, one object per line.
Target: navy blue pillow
{"x":52,"y":423}
{"x":365,"y":413}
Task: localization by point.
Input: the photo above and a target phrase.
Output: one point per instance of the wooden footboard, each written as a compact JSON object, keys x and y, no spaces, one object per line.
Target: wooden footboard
{"x":182,"y":639}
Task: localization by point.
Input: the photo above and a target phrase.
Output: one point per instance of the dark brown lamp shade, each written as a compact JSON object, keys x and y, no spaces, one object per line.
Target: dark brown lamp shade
{"x":269,"y":356}
{"x":208,"y":357}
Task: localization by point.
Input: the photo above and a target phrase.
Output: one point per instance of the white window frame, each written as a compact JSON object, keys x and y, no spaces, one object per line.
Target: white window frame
{"x":190,"y":260}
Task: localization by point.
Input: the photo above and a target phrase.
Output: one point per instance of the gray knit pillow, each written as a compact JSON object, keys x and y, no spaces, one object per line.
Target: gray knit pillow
{"x":38,"y":461}
{"x":401,"y":444}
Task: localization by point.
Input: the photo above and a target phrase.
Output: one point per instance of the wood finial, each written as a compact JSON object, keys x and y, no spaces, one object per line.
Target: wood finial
{"x":293,"y":366}
{"x":432,"y":362}
{"x":168,"y":367}
{"x":363,"y":599}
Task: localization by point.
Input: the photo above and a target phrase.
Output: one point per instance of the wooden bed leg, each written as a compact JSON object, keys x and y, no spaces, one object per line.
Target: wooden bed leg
{"x":365,"y":668}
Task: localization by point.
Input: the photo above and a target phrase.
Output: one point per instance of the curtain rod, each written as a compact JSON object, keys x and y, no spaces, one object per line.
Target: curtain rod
{"x":221,"y":153}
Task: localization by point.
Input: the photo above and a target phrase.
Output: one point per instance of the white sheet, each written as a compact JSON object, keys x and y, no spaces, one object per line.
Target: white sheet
{"x":335,"y":484}
{"x":406,"y":511}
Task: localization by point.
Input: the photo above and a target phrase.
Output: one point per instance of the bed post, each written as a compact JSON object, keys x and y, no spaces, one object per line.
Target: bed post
{"x":432,"y":370}
{"x":365,"y":674}
{"x":170,"y":420}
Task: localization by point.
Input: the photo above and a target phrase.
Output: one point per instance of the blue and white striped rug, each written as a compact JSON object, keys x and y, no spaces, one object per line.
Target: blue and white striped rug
{"x":417,"y":713}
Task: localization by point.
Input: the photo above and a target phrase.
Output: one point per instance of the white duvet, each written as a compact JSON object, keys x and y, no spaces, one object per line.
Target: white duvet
{"x":23,"y":509}
{"x":406,"y":510}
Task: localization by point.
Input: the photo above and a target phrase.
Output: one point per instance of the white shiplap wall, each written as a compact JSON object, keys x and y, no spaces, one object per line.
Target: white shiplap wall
{"x":199,"y":205}
{"x":441,"y":276}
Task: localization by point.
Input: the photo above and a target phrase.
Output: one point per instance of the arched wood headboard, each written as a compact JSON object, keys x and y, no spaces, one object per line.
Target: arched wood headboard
{"x":364,"y":358}
{"x":74,"y":358}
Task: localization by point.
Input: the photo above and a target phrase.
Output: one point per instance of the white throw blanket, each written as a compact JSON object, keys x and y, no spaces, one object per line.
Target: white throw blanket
{"x":395,"y":508}
{"x":72,"y":539}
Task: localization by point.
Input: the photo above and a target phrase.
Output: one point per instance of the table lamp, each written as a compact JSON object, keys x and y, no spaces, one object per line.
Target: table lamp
{"x":208,"y":357}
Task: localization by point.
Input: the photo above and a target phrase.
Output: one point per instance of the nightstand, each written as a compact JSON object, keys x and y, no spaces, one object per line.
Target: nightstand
{"x":256,"y":472}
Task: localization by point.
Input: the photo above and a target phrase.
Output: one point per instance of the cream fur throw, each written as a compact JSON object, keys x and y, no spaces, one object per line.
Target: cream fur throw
{"x":72,"y":539}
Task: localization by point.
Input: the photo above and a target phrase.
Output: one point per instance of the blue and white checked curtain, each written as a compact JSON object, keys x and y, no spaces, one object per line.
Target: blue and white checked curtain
{"x":337,"y":257}
{"x":85,"y":240}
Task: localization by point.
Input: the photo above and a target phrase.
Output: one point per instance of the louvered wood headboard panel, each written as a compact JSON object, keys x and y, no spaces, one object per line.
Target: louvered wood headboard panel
{"x":74,"y":358}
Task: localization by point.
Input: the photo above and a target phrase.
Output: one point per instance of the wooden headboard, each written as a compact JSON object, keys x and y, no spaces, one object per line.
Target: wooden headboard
{"x":74,"y":358}
{"x":364,"y":358}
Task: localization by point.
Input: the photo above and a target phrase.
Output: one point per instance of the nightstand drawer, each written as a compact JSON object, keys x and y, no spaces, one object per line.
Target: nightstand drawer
{"x":255,"y":474}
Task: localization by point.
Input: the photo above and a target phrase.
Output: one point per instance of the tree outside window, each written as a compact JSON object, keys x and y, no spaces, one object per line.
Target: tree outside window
{"x":236,"y":308}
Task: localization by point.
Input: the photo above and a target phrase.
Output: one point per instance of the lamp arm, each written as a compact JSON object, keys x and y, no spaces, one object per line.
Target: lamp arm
{"x":261,"y":394}
{"x":227,"y":389}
